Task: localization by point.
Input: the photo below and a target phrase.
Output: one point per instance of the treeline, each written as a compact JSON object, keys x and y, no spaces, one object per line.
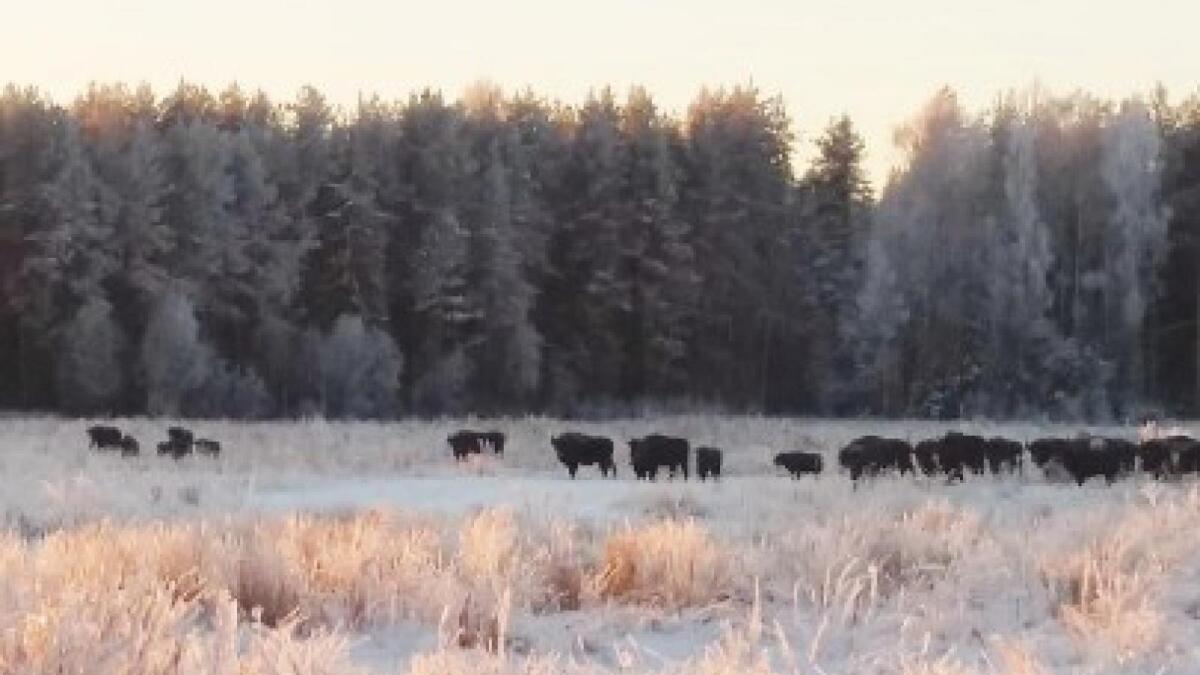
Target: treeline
{"x":222,"y":254}
{"x":1039,"y":259}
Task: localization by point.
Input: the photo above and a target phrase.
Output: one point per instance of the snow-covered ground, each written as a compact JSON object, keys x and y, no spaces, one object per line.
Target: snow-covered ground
{"x":375,"y":534}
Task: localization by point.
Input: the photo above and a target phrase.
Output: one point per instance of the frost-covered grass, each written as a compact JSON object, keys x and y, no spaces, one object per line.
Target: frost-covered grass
{"x":336,"y":548}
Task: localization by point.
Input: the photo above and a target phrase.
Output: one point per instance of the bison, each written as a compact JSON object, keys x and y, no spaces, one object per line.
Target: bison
{"x":708,"y":462}
{"x":959,"y":453}
{"x":129,"y":447}
{"x":648,"y":454}
{"x":1085,"y":457}
{"x":463,"y":443}
{"x":800,"y":463}
{"x":207,"y":446}
{"x":180,"y":436}
{"x":575,"y":450}
{"x":1157,"y":455}
{"x":872,"y":455}
{"x":926,"y":455}
{"x":174,"y":449}
{"x":104,"y":437}
{"x":466,"y":442}
{"x":1044,"y":450}
{"x":1004,"y":455}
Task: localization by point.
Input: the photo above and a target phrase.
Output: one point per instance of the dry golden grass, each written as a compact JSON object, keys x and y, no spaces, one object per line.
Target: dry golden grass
{"x":668,"y":564}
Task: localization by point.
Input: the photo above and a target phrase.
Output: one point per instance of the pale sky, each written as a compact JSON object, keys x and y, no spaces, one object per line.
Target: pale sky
{"x":877,"y":61}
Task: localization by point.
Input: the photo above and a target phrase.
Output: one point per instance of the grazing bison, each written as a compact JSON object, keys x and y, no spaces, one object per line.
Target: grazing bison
{"x":648,"y":454}
{"x":872,"y":455}
{"x":174,"y":450}
{"x":1044,"y":450}
{"x":129,"y":447}
{"x":1082,"y":462}
{"x":466,"y":442}
{"x":180,"y":436}
{"x":1157,"y":455}
{"x":463,"y":443}
{"x":1004,"y":455}
{"x":926,"y":455}
{"x":959,"y":453}
{"x":575,"y":450}
{"x":1120,"y":451}
{"x":207,"y":446}
{"x":708,"y":463}
{"x":1085,"y":457}
{"x":800,"y":463}
{"x":104,"y":437}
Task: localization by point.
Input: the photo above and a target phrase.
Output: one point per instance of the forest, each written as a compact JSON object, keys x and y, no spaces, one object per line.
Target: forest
{"x":221,"y":254}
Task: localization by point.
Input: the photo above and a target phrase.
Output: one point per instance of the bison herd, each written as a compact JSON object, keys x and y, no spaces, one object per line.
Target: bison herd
{"x":952,"y":456}
{"x":179,"y":444}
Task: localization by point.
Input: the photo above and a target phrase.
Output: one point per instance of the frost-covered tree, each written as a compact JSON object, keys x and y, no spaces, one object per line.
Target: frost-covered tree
{"x":736,"y":197}
{"x":444,"y":307}
{"x":344,"y":271}
{"x":430,"y":307}
{"x":1135,"y":239}
{"x":142,"y":237}
{"x":937,"y":204}
{"x":174,"y":362}
{"x":359,"y":371}
{"x":90,"y":369}
{"x":828,"y":249}
{"x":195,"y":163}
{"x":503,"y":345}
{"x":586,"y":290}
{"x":658,"y":262}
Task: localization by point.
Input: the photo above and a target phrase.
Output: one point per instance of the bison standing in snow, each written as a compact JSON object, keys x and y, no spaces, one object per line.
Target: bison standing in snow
{"x":800,"y":463}
{"x":104,"y":437}
{"x":708,"y":462}
{"x":656,"y":451}
{"x":466,"y":442}
{"x":207,"y":446}
{"x":872,"y":455}
{"x":575,"y":450}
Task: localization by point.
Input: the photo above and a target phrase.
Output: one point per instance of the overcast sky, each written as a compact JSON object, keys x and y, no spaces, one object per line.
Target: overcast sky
{"x":877,"y":61}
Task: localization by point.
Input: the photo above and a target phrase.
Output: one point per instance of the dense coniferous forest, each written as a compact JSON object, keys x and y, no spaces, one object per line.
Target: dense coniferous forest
{"x":223,"y":254}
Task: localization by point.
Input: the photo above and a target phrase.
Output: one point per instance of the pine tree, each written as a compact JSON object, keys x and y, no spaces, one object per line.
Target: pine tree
{"x":360,"y":370}
{"x":736,"y":197}
{"x":90,"y":366}
{"x":586,"y":291}
{"x":657,"y":257}
{"x":829,"y":250}
{"x":430,"y":308}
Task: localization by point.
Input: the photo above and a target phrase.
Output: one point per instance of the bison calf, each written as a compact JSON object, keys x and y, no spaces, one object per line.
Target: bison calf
{"x":207,"y":446}
{"x":575,"y":450}
{"x":708,"y":463}
{"x":129,"y":447}
{"x":800,"y":463}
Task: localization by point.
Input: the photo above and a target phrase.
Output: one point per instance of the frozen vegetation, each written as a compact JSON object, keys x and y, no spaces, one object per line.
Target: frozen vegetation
{"x":319,"y":547}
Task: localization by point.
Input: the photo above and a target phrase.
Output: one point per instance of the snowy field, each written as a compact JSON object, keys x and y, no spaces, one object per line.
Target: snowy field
{"x":319,"y":547}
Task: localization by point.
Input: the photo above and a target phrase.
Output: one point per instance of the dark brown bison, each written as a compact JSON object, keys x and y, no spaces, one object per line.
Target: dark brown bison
{"x":575,"y":450}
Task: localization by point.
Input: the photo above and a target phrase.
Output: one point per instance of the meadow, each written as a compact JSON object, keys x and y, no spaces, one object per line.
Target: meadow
{"x":320,"y":547}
